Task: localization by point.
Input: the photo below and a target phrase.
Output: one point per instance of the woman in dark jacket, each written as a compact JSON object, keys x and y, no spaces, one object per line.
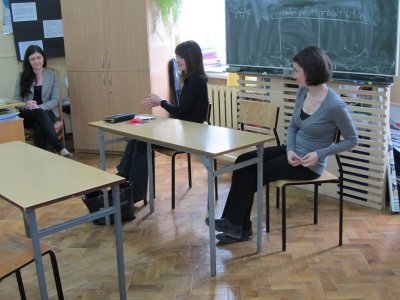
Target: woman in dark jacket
{"x":192,"y":106}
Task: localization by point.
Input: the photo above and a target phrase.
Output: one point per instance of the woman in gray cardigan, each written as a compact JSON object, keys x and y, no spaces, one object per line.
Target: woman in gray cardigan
{"x":37,"y":86}
{"x":317,"y":115}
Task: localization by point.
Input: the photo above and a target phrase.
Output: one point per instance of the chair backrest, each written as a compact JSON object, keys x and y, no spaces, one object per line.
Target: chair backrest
{"x":209,"y":113}
{"x":259,"y":117}
{"x":174,"y":82}
{"x":337,"y":156}
{"x":59,"y":125}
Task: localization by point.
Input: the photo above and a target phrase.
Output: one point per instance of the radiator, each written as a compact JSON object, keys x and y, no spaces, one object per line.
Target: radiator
{"x":224,"y":111}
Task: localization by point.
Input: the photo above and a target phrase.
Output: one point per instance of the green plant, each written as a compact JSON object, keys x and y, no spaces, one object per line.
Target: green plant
{"x":169,"y":8}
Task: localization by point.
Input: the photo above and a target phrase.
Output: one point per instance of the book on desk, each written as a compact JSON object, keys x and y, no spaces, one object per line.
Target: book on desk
{"x":8,"y":114}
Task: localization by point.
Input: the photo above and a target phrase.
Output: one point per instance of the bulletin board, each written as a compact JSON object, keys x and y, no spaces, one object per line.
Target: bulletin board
{"x":37,"y":22}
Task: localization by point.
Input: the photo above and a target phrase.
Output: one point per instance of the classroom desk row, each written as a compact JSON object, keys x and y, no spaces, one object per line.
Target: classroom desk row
{"x":42,"y":188}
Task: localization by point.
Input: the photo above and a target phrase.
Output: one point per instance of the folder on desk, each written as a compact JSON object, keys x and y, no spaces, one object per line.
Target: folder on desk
{"x":119,"y":117}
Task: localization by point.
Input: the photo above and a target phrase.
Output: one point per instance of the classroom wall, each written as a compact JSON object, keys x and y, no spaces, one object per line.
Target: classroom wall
{"x":9,"y":68}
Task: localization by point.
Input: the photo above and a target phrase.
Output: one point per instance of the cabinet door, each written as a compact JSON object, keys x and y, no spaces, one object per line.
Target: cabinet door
{"x":127,"y":89}
{"x":89,"y":102}
{"x":126,"y":38}
{"x":83,"y":34}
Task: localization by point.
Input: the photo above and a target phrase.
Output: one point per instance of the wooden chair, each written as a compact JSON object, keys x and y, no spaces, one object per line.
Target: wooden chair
{"x":255,"y":116}
{"x":16,"y":252}
{"x":173,"y":153}
{"x":59,"y":124}
{"x":326,"y":177}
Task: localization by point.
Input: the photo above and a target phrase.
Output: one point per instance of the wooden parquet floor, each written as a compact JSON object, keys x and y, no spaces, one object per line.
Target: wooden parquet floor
{"x":167,"y":253}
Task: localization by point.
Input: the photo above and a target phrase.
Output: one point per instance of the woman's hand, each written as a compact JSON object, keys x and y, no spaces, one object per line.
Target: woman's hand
{"x":31,"y":104}
{"x":152,"y":100}
{"x":310,"y":159}
{"x":293,"y":158}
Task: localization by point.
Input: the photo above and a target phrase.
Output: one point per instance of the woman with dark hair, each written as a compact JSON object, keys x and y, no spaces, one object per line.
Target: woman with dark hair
{"x":192,"y":106}
{"x":317,"y":115}
{"x":37,"y":86}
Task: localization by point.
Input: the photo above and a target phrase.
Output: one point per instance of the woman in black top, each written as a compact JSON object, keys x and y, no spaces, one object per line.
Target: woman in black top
{"x":192,"y":106}
{"x":37,"y":86}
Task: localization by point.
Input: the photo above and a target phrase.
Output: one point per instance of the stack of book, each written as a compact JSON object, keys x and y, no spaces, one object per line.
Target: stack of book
{"x":8,"y":114}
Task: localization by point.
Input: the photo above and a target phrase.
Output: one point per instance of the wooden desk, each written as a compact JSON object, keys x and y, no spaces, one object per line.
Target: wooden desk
{"x":12,"y":130}
{"x":32,"y":178}
{"x":206,"y":142}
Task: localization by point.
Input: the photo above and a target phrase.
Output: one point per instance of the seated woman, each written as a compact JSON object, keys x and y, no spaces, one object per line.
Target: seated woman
{"x":193,"y":105}
{"x":317,"y":115}
{"x":37,"y":86}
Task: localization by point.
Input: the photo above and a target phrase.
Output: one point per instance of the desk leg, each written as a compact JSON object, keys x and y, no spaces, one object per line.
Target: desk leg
{"x":34,"y":233}
{"x":102,"y":149}
{"x":151,"y":175}
{"x":209,"y":164}
{"x":118,"y":240}
{"x":260,"y":151}
{"x":103,"y":167}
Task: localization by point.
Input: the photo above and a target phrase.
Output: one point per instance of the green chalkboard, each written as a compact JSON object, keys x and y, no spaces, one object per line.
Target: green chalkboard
{"x":360,"y":36}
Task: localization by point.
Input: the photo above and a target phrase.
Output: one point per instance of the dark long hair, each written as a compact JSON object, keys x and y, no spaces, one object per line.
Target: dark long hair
{"x":190,"y":51}
{"x":316,"y":64}
{"x":27,"y":75}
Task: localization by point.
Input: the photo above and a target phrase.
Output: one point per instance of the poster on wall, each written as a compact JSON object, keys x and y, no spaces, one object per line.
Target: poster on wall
{"x":7,"y":26}
{"x":37,"y":23}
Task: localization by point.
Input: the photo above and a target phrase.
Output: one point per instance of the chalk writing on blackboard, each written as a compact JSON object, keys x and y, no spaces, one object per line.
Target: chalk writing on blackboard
{"x":359,"y":36}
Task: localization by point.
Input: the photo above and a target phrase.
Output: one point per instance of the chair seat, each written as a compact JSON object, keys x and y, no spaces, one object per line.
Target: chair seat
{"x":325,"y":177}
{"x":16,"y":252}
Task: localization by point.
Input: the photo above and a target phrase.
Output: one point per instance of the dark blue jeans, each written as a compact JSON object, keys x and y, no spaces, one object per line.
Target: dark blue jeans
{"x":133,"y":166}
{"x":42,"y":122}
{"x":239,"y":203}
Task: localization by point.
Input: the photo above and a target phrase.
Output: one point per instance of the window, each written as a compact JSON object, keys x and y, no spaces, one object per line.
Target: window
{"x":204,"y":22}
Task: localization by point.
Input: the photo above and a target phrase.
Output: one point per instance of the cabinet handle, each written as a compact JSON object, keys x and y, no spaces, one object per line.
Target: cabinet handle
{"x":108,"y":57}
{"x":102,"y":62}
{"x":104,"y":80}
{"x":109,"y":84}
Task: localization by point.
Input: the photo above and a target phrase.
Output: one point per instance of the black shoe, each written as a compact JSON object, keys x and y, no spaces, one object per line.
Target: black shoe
{"x":217,"y":221}
{"x":226,"y":226}
{"x":226,"y":239}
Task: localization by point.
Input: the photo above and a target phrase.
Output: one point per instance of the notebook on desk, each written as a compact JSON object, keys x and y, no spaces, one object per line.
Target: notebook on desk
{"x":119,"y":117}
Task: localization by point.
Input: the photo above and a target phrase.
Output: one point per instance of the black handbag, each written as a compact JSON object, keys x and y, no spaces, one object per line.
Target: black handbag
{"x":94,"y":201}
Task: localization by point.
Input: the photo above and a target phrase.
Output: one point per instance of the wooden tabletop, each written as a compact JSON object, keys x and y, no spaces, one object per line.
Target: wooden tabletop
{"x":8,"y":103}
{"x":31,"y":177}
{"x":186,"y":136}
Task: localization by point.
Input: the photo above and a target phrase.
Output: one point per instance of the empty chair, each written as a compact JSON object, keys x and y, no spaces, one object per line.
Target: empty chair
{"x":16,"y":252}
{"x":256,"y":116}
{"x":173,"y":153}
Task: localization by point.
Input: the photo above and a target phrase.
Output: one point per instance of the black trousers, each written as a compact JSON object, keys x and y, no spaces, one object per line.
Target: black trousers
{"x":244,"y":182}
{"x":133,"y":166}
{"x":42,"y":122}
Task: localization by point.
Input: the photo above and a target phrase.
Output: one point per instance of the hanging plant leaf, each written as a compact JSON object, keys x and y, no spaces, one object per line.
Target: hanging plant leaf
{"x":169,"y":8}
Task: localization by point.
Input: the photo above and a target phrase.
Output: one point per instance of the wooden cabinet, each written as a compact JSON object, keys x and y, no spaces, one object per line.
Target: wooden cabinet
{"x":114,"y":59}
